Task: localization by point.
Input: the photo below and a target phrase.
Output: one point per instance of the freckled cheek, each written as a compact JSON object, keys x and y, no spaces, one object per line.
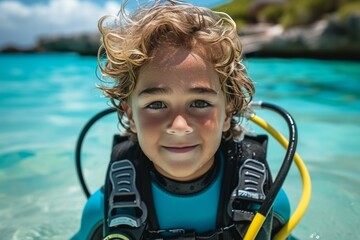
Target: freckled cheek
{"x":150,"y":121}
{"x":209,"y":120}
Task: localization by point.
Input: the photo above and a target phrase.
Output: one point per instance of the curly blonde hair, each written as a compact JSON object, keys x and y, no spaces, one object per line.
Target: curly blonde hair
{"x":128,"y":42}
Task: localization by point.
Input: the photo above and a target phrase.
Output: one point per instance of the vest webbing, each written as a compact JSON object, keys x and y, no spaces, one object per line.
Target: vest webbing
{"x":235,"y":154}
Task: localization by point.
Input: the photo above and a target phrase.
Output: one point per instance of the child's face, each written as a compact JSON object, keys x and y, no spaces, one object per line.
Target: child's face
{"x":179,"y":112}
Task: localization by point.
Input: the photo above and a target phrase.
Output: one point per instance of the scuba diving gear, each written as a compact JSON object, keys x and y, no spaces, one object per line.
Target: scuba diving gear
{"x":235,"y":154}
{"x":192,"y":206}
{"x":280,"y":200}
{"x":125,"y":196}
{"x":280,"y":178}
{"x":248,"y":191}
{"x":79,"y":146}
{"x":305,"y":177}
{"x":187,"y":187}
{"x":91,"y":226}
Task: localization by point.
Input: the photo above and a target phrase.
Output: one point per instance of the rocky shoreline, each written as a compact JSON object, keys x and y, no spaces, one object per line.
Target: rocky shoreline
{"x":325,"y":39}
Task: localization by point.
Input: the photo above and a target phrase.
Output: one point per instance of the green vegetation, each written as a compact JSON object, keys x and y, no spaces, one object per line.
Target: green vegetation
{"x":289,"y":14}
{"x":303,"y":12}
{"x":271,"y":14}
{"x":238,"y":10}
{"x":347,"y":9}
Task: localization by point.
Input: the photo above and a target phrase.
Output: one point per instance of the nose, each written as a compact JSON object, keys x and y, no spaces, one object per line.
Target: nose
{"x":179,"y":126}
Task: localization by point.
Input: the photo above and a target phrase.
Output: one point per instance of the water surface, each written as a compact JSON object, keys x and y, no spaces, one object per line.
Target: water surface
{"x":45,"y":99}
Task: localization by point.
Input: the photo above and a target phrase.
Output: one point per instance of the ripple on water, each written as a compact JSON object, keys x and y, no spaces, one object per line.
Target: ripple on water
{"x":14,"y":158}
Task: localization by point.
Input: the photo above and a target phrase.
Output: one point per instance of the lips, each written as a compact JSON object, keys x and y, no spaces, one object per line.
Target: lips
{"x":182,"y":149}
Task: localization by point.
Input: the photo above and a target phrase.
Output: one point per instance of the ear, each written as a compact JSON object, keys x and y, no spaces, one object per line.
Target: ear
{"x":228,"y":117}
{"x":129,"y":114}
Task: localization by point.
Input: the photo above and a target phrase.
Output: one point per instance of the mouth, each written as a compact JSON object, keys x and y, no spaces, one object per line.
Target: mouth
{"x":182,"y":149}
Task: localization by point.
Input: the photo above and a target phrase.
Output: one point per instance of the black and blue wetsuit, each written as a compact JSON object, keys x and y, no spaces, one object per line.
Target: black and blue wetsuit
{"x":193,"y":205}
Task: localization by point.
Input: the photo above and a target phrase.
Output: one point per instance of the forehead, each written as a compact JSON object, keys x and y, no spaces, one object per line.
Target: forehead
{"x":178,"y":67}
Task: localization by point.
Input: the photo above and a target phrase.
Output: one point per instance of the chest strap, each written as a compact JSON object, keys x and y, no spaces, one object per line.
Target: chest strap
{"x":183,"y":234}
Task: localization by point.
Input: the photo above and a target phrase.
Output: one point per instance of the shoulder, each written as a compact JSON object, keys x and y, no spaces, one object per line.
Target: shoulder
{"x":254,"y":147}
{"x":124,"y":148}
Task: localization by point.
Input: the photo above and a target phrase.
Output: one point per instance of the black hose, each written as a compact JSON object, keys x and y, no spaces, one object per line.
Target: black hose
{"x":79,"y":145}
{"x":289,"y":156}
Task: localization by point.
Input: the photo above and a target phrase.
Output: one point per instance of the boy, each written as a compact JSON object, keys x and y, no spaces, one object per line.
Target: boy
{"x":179,"y":88}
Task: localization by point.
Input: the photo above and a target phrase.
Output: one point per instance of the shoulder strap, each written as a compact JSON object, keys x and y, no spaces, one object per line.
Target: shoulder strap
{"x":127,"y":152}
{"x":247,"y":156}
{"x":255,"y":147}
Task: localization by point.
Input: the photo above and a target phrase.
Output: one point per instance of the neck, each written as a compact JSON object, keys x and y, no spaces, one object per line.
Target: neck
{"x":186,"y":187}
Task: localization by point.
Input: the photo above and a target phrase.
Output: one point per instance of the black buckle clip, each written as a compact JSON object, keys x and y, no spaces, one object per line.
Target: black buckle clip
{"x":125,"y":205}
{"x":249,"y":190}
{"x":173,"y":234}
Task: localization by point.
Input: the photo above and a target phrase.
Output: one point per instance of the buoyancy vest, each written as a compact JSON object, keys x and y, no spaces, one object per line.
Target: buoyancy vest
{"x":233,"y":218}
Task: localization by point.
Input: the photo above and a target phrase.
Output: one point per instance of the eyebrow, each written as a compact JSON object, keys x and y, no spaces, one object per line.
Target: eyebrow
{"x":160,"y":90}
{"x":154,"y":91}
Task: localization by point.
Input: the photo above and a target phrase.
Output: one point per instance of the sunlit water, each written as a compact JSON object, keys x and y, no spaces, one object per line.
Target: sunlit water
{"x":45,"y":100}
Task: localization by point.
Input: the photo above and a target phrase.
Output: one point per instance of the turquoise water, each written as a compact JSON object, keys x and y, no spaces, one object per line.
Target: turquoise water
{"x":46,"y":99}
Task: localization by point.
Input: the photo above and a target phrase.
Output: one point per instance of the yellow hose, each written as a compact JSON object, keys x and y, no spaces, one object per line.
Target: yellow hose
{"x":116,"y":236}
{"x":255,"y":226}
{"x":306,"y":192}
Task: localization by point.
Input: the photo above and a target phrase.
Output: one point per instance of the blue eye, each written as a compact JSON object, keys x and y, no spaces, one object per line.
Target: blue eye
{"x":156,"y":105}
{"x":200,"y":104}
